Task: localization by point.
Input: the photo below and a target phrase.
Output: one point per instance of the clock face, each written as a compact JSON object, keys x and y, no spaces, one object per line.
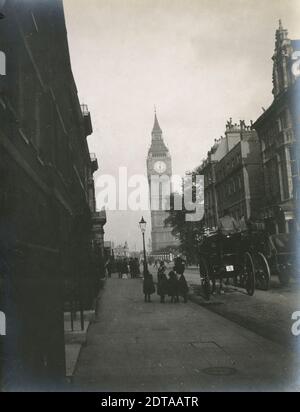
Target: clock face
{"x":160,"y":167}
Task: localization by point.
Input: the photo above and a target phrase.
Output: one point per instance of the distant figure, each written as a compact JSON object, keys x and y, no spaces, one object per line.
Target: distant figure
{"x":228,"y":224}
{"x":119,"y":267}
{"x":124,"y":269}
{"x":179,"y":265}
{"x":183,"y":287}
{"x":136,"y":265}
{"x":162,"y":282}
{"x":131,"y":268}
{"x":173,"y":287}
{"x":148,"y":287}
{"x":108,"y":267}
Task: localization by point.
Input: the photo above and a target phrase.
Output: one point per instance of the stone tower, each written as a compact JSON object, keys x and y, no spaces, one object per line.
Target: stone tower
{"x":159,"y":169}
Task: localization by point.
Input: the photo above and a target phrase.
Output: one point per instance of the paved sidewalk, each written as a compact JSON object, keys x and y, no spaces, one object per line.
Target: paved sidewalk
{"x":75,"y":339}
{"x":137,"y":346}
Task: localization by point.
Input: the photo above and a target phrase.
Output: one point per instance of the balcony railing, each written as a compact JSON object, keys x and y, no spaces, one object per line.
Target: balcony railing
{"x":99,"y":217}
{"x":87,"y":120}
{"x":84,"y":109}
{"x":94,"y":162}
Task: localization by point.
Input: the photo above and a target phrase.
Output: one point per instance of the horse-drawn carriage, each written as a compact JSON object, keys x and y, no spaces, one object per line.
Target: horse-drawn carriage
{"x":222,"y":256}
{"x":249,"y":258}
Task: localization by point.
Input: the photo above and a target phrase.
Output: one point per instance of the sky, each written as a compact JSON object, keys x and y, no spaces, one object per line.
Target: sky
{"x":199,"y":62}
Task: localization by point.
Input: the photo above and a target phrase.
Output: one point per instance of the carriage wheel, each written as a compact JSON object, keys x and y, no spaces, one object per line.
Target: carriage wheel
{"x":205,"y":278}
{"x":248,"y":274}
{"x":262,"y":271}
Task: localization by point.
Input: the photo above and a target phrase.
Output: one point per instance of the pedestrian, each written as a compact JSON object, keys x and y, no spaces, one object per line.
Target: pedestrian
{"x":148,"y":286}
{"x":108,"y":267}
{"x":183,"y":287}
{"x":137,"y":267}
{"x":173,"y":287}
{"x":179,"y":265}
{"x":162,"y":282}
{"x":125,"y":270}
{"x":131,"y":268}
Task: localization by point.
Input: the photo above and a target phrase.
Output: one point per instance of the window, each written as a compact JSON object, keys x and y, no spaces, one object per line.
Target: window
{"x":282,"y":123}
{"x":294,"y":163}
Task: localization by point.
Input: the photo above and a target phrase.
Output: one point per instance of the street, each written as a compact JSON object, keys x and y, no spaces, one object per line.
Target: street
{"x":267,"y":313}
{"x":137,"y":346}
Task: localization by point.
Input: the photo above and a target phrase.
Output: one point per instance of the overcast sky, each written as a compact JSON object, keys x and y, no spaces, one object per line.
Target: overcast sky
{"x":199,"y":61}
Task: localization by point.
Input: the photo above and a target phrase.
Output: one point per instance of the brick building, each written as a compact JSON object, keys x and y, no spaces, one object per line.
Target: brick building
{"x":278,"y":131}
{"x":46,"y":193}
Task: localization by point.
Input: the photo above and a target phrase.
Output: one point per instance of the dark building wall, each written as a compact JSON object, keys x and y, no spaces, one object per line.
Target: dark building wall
{"x":278,"y":131}
{"x":207,"y":169}
{"x":45,"y":219}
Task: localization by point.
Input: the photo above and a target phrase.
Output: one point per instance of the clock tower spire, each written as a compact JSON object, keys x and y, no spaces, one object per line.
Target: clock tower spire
{"x":156,"y":131}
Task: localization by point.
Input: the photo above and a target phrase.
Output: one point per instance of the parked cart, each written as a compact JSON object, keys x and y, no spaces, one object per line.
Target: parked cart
{"x":256,"y":243}
{"x":223,"y":257}
{"x":283,"y":259}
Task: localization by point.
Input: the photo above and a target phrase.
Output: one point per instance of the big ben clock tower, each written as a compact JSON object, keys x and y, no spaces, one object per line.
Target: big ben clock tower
{"x":159,"y":165}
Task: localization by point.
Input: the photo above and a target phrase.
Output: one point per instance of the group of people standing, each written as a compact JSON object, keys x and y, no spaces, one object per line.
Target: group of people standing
{"x":128,"y":266}
{"x":173,"y":285}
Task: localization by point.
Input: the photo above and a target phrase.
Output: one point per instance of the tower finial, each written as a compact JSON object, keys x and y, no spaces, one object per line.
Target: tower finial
{"x":280,"y":24}
{"x":156,"y":131}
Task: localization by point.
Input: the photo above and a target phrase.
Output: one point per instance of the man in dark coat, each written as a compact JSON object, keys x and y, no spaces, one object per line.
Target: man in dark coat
{"x":124,"y":267}
{"x":137,"y":267}
{"x":131,"y":268}
{"x":119,"y":267}
{"x":148,"y":286}
{"x":162,"y":282}
{"x":183,"y":287}
{"x":173,"y":287}
{"x":179,"y":265}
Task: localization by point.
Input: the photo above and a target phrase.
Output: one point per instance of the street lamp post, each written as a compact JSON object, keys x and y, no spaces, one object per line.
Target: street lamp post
{"x":143,"y":224}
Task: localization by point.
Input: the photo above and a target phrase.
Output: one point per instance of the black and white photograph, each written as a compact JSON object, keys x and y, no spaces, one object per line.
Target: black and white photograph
{"x":149,"y":194}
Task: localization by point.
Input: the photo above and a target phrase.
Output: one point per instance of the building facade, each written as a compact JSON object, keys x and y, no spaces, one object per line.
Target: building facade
{"x":278,"y":131}
{"x":159,"y":171}
{"x":231,"y":171}
{"x":207,"y":169}
{"x":46,"y":193}
{"x":122,"y":251}
{"x":238,"y":172}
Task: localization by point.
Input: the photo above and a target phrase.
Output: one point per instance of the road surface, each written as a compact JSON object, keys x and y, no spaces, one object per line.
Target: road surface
{"x":137,"y":346}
